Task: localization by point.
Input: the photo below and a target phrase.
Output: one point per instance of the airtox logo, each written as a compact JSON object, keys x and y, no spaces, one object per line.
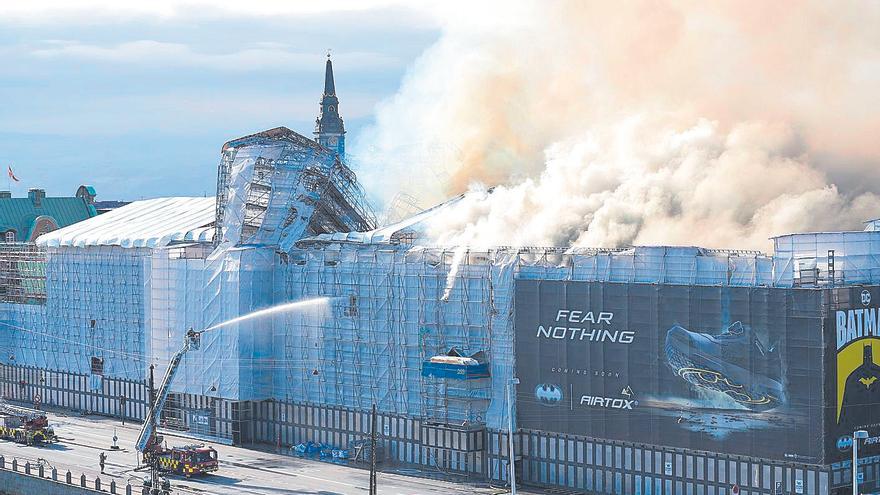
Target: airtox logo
{"x":548,"y":394}
{"x":866,"y":298}
{"x":844,"y":443}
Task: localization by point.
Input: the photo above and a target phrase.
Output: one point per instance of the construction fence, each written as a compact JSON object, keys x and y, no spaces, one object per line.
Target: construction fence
{"x":544,"y":458}
{"x":116,"y":397}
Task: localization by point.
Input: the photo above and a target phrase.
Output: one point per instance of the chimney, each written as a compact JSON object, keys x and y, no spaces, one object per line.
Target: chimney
{"x":36,"y":196}
{"x":5,"y":194}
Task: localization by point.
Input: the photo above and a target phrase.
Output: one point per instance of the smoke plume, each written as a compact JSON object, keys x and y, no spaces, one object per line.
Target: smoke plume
{"x":646,"y":122}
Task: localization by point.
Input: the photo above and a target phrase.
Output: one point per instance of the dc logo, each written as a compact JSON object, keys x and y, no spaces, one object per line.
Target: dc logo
{"x":866,"y":298}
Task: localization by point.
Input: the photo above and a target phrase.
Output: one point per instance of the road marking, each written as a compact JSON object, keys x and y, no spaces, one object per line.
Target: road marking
{"x":315,"y":478}
{"x":68,"y":442}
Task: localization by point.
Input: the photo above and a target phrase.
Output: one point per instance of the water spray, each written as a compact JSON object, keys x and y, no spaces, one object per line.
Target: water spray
{"x":147,"y":440}
{"x":272,"y":310}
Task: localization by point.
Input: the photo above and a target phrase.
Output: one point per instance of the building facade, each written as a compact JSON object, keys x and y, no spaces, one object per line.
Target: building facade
{"x":647,"y":370}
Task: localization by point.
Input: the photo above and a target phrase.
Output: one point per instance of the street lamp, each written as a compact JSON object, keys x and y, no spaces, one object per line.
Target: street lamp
{"x":513,"y":382}
{"x":857,"y":435}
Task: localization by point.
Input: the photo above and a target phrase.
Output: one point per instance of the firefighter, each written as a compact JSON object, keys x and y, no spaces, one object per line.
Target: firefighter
{"x":102,"y":458}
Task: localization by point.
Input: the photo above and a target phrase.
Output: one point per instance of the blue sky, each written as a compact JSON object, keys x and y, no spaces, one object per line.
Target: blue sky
{"x":137,"y":100}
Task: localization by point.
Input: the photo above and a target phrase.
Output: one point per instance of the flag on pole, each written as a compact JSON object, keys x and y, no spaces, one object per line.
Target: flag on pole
{"x":11,"y":174}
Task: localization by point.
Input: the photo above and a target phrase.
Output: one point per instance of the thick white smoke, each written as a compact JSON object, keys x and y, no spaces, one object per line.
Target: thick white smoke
{"x":608,"y":124}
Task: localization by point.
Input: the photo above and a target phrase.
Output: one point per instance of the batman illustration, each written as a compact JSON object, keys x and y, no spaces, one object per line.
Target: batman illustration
{"x":861,"y":391}
{"x":548,"y":394}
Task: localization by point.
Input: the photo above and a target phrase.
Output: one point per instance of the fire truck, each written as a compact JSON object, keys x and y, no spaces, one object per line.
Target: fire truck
{"x":25,"y":425}
{"x":187,"y":460}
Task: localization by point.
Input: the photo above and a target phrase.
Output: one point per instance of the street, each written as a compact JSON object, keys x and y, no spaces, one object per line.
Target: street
{"x":242,"y":471}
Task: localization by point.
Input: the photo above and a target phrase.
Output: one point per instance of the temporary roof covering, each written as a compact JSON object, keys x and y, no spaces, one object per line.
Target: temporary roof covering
{"x":149,"y":223}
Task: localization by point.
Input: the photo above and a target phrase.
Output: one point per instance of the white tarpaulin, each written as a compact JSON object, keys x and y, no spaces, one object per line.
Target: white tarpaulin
{"x":147,"y":223}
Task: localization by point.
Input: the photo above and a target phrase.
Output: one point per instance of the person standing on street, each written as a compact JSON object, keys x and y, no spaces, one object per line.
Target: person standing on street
{"x":102,"y":458}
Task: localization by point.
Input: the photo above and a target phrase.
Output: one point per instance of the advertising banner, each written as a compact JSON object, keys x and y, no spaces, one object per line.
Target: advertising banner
{"x":724,"y":369}
{"x":852,"y":330}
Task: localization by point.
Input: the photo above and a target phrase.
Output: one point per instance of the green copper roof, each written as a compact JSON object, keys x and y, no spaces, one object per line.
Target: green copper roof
{"x":20,"y":214}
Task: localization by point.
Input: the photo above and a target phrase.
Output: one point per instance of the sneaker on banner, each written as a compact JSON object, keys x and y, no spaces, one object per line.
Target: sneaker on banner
{"x":734,"y":362}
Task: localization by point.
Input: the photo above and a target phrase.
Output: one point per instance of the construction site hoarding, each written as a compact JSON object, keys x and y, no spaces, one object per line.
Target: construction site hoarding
{"x":852,"y":361}
{"x":735,"y":370}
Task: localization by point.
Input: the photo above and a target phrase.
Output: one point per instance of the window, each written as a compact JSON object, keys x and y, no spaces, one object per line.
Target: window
{"x":9,"y":236}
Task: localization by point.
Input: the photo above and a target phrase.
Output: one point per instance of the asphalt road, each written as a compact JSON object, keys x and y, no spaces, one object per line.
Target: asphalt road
{"x":242,"y":471}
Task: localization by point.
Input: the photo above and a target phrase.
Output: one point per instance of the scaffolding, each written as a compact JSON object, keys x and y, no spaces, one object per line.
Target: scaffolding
{"x":386,"y":318}
{"x":827,"y":259}
{"x":223,"y":172}
{"x":391,"y":307}
{"x":342,"y":208}
{"x":276,"y":186}
{"x":395,"y":306}
{"x":77,"y":310}
{"x":402,"y":206}
{"x":22,"y":273}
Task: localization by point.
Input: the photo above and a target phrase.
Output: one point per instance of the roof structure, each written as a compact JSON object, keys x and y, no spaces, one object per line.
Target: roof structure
{"x":276,"y":133}
{"x":149,"y":223}
{"x":277,"y":186}
{"x":389,"y":234}
{"x":35,"y":214}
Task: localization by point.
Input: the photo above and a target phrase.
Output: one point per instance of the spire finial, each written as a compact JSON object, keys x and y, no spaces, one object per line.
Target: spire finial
{"x":329,"y":86}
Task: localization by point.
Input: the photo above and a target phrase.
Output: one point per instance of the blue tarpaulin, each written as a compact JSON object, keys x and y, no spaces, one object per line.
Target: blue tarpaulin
{"x":455,"y":371}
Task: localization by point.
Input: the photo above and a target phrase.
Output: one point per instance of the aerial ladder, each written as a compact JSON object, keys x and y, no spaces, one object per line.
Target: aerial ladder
{"x":187,"y":460}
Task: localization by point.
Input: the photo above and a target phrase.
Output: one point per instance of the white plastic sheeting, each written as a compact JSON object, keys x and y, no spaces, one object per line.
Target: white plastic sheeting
{"x":131,"y":308}
{"x":803,"y":259}
{"x":149,"y":223}
{"x":24,"y":340}
{"x":272,"y":190}
{"x":232,"y":362}
{"x":648,"y":264}
{"x":241,"y":175}
{"x":385,"y":319}
{"x":94,"y":308}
